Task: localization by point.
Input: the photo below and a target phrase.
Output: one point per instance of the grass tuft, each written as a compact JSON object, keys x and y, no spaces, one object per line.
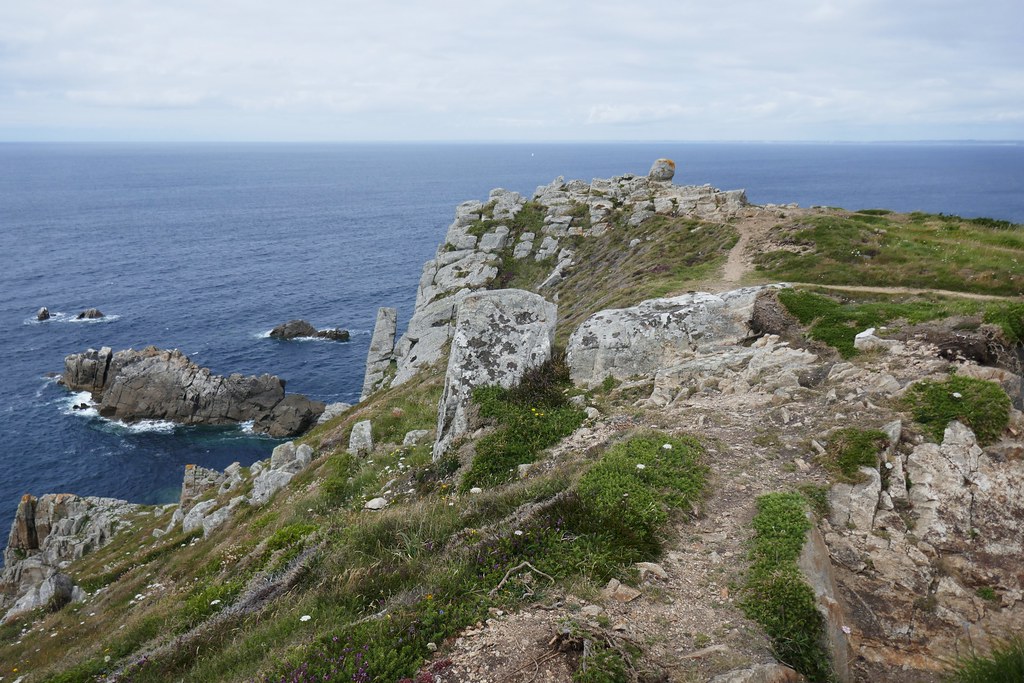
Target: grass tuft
{"x":1004,"y":664}
{"x":981,"y":405}
{"x":851,"y":448}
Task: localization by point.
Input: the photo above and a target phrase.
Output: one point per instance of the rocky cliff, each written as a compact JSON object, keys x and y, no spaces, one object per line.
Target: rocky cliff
{"x":495,"y":510}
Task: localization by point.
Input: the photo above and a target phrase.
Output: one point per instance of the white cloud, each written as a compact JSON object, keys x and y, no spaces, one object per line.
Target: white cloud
{"x":461,"y":69}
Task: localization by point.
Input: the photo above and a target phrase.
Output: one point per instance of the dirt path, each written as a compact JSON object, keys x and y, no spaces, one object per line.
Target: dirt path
{"x":911,"y":290}
{"x":687,"y":621}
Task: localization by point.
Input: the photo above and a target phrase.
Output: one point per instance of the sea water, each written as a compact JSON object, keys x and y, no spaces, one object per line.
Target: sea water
{"x":205,"y":247}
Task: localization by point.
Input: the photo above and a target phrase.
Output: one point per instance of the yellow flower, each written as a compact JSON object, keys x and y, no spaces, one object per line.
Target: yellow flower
{"x":430,"y":596}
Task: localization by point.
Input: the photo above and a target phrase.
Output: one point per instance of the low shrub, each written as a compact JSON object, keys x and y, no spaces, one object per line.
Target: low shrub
{"x":851,"y":448}
{"x":981,"y":405}
{"x":775,"y":594}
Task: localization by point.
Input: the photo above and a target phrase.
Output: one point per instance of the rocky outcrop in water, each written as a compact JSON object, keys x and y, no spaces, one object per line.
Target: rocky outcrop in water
{"x":156,"y":384}
{"x":43,"y":314}
{"x":90,"y":314}
{"x":499,"y":335}
{"x":299,"y":329}
{"x":46,"y":534}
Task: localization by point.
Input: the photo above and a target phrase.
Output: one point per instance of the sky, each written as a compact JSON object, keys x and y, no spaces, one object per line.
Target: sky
{"x":336,"y":70}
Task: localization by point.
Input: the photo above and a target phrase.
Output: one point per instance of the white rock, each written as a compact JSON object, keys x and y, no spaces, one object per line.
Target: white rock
{"x":360,"y":441}
{"x":376,"y":504}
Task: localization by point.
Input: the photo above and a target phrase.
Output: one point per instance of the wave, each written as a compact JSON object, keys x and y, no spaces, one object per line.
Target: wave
{"x":80,"y":398}
{"x":147,"y":426}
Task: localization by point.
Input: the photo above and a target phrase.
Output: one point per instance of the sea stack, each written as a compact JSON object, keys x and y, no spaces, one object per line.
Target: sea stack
{"x":43,"y":314}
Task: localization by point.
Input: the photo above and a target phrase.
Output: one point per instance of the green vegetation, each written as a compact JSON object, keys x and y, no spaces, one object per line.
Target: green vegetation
{"x":851,"y":448}
{"x":638,"y":481}
{"x":981,"y":405}
{"x":836,"y":323}
{"x":531,"y":417}
{"x":1004,"y":664}
{"x":775,"y":594}
{"x":919,"y":250}
{"x":816,"y":497}
{"x":672,"y":255}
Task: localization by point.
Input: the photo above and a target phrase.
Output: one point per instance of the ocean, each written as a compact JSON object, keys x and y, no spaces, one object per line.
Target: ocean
{"x":206,"y":247}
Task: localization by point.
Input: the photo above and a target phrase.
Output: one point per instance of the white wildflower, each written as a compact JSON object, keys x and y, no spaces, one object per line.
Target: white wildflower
{"x":215,"y":602}
{"x":518,"y":532}
{"x":957,"y":394}
{"x":667,"y":447}
{"x":641,"y":466}
{"x":305,"y":617}
{"x":846,"y":630}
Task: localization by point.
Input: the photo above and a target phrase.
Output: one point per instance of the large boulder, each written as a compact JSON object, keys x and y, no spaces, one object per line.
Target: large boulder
{"x":662,"y":170}
{"x":381,"y":352}
{"x":658,"y":333}
{"x":154,"y":384}
{"x":499,"y":335}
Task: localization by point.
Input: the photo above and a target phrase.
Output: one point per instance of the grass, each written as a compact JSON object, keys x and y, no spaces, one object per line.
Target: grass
{"x":1004,"y":664}
{"x":851,"y":448}
{"x":981,"y":405}
{"x":775,"y":594}
{"x":531,"y":417}
{"x":611,"y":274}
{"x":916,"y":250}
{"x":836,"y":322}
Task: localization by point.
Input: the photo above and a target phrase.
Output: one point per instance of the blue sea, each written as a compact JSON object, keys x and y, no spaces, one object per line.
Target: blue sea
{"x":205,"y":247}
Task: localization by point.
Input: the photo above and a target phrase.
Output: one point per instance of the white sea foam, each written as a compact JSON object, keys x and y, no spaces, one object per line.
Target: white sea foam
{"x":142,"y":426}
{"x":77,"y":399}
{"x":263,"y":335}
{"x":246,"y":427}
{"x":61,"y":317}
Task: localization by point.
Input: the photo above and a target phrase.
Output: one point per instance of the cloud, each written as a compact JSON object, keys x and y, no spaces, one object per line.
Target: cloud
{"x":456,"y":69}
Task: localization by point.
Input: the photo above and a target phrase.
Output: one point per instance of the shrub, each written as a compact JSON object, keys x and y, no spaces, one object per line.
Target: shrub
{"x":638,"y":480}
{"x":981,"y":405}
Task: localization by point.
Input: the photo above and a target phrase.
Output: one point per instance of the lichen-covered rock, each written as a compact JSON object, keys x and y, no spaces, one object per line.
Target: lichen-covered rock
{"x":658,"y":333}
{"x":360,"y":441}
{"x":911,"y":580}
{"x":197,"y":481}
{"x":498,"y":336}
{"x":270,"y":476}
{"x":662,"y":170}
{"x":381,"y":352}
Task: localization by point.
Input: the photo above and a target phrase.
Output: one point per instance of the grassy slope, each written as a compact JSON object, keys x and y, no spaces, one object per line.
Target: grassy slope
{"x":405,"y":560}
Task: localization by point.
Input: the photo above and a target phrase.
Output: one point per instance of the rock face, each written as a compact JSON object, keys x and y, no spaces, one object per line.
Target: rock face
{"x":294,"y":329}
{"x":658,"y":333}
{"x":945,"y":522}
{"x":166,"y":385}
{"x":382,"y":351}
{"x":48,"y":532}
{"x":286,"y":461}
{"x":499,"y":335}
{"x":43,"y":314}
{"x":89,"y":314}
